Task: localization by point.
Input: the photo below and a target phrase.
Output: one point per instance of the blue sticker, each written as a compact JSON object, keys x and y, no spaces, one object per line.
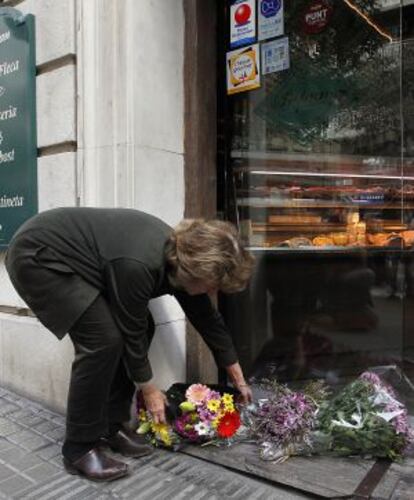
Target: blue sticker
{"x":269,"y":8}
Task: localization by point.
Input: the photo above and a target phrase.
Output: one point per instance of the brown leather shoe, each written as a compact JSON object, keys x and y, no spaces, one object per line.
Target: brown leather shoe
{"x":129,"y":444}
{"x":96,"y":466}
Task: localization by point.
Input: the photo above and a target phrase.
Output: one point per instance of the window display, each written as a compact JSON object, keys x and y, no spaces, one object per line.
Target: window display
{"x":316,"y":168}
{"x":360,"y":207}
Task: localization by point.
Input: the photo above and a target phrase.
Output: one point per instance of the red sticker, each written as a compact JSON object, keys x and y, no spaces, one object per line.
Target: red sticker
{"x":243,"y":14}
{"x":316,"y":17}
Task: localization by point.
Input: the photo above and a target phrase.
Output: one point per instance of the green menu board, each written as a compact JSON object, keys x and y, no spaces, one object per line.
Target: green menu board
{"x":18,"y":143}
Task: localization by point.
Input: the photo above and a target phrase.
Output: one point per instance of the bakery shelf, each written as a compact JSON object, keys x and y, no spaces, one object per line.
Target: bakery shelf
{"x":359,"y":197}
{"x":244,"y":202}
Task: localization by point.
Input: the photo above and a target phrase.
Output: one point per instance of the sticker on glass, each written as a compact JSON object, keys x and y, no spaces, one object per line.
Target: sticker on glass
{"x":316,"y":17}
{"x":275,"y":56}
{"x":243,"y":69}
{"x":242,"y":22}
{"x":270,"y":19}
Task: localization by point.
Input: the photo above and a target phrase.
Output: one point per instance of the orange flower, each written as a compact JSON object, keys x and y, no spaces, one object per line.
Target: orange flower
{"x":228,"y":424}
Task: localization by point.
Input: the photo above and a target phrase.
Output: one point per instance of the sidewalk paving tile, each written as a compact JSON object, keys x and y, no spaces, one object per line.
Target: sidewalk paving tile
{"x":5,"y":472}
{"x":14,"y":485}
{"x":31,"y":467}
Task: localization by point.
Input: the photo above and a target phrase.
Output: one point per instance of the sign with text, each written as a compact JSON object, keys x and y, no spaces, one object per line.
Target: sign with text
{"x":271,"y":19}
{"x":275,"y":56}
{"x":243,"y":69}
{"x":242,"y":22}
{"x":18,"y":148}
{"x":316,"y":17}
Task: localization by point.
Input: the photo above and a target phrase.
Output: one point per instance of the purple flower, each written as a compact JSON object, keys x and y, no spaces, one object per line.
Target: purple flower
{"x":285,"y":418}
{"x":377,"y":382}
{"x":214,"y":395}
{"x":205,"y":415}
{"x":185,"y":427}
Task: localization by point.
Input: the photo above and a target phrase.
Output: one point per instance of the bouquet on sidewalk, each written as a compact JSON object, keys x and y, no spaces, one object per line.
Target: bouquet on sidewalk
{"x":365,"y":418}
{"x":196,"y":414}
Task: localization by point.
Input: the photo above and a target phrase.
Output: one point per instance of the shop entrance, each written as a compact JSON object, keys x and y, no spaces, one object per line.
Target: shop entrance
{"x":316,"y":151}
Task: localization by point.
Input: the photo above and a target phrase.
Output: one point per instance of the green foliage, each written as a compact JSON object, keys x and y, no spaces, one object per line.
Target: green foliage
{"x":375,"y":437}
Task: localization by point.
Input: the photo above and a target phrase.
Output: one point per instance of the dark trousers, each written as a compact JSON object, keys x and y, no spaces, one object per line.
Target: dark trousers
{"x":101,"y":391}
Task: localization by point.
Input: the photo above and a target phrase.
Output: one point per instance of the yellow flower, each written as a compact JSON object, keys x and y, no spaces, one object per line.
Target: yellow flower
{"x":159,"y":428}
{"x":162,"y":432}
{"x":227,"y":399}
{"x":142,"y":415}
{"x":165,"y":437}
{"x":167,"y":441}
{"x":229,"y":407}
{"x":214,"y":405}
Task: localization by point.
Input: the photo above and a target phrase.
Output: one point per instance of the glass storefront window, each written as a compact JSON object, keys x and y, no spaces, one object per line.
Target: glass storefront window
{"x":317,"y":172}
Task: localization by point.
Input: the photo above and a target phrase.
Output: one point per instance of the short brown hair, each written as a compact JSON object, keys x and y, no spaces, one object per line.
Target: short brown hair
{"x":210,"y":252}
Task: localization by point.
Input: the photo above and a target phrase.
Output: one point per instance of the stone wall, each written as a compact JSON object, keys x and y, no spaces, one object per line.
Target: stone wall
{"x":110,"y":133}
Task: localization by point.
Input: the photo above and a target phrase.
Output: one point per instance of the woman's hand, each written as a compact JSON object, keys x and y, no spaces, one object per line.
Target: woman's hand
{"x":245,"y":393}
{"x":236,"y":376}
{"x":155,"y":402}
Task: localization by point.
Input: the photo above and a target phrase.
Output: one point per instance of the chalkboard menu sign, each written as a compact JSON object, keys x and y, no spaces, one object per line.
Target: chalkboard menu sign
{"x":18,"y":149}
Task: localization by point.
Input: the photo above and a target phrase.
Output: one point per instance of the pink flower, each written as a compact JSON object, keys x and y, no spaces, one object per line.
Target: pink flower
{"x":372,"y":378}
{"x":197,"y":394}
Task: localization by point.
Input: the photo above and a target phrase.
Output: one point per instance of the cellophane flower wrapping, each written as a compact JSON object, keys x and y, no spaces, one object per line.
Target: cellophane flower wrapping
{"x":366,"y":418}
{"x":196,"y":414}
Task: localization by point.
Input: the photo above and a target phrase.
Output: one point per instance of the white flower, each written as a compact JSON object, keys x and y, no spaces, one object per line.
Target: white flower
{"x":202,"y":429}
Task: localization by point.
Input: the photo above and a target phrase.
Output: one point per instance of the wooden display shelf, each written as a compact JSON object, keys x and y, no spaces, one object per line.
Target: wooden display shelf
{"x":323,"y":204}
{"x":323,"y":227}
{"x":304,"y":228}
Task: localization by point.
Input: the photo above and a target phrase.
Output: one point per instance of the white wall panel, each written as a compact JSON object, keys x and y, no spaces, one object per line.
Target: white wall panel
{"x":8,"y":295}
{"x":158,"y":75}
{"x":166,"y":309}
{"x":159,"y":184}
{"x":167,"y":354}
{"x":151,"y":180}
{"x":55,"y":27}
{"x":56,"y":106}
{"x":57,"y":181}
{"x":33,"y":361}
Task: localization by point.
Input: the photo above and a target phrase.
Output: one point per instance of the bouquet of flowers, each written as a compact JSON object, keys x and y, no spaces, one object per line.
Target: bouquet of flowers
{"x":198,"y":414}
{"x":365,"y":418}
{"x":283,"y":423}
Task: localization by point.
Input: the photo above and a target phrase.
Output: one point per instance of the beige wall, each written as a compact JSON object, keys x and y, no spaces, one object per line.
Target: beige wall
{"x":110,"y":133}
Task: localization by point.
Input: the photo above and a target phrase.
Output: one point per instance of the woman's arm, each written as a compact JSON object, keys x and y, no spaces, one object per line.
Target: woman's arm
{"x":235,"y":374}
{"x":209,"y":323}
